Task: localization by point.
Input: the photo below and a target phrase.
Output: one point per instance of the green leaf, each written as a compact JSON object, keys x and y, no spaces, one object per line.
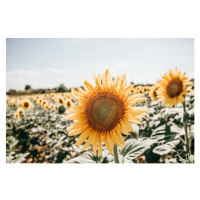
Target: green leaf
{"x":134,"y":148}
{"x":165,"y":134}
{"x":87,"y":157}
{"x":165,"y":148}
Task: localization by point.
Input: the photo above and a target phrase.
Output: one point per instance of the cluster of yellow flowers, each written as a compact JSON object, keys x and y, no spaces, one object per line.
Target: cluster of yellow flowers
{"x":48,"y":101}
{"x":141,"y":90}
{"x":19,"y":112}
{"x":106,"y":111}
{"x":51,"y":102}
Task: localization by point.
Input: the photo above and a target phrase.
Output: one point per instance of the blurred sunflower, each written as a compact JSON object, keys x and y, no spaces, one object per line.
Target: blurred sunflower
{"x":53,"y":99}
{"x":46,"y":106}
{"x":44,"y":102}
{"x":153,"y":92}
{"x":16,"y":115}
{"x":104,"y":112}
{"x":51,"y":106}
{"x":20,"y":112}
{"x":72,"y":100}
{"x":68,"y":103}
{"x":12,"y":102}
{"x":173,"y":88}
{"x":39,"y":101}
{"x":26,"y":104}
{"x":34,"y":100}
{"x":140,"y":90}
{"x":55,"y":107}
{"x":60,"y":100}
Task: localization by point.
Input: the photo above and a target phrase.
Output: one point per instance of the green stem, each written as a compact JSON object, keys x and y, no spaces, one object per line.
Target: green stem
{"x":116,"y":154}
{"x":185,"y":127}
{"x":160,"y":112}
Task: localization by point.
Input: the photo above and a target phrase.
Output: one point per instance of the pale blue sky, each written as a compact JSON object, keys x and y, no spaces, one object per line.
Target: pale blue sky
{"x":45,"y":63}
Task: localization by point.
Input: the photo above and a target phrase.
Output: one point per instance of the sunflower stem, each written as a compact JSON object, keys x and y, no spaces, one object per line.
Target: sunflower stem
{"x":185,"y":116}
{"x":160,"y":112}
{"x":116,"y":153}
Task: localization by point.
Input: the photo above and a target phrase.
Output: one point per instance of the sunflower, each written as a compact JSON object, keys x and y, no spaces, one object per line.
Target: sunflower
{"x":16,"y":115}
{"x":12,"y":102}
{"x":26,"y":104}
{"x":20,"y":112}
{"x":173,"y":88}
{"x":190,"y":90}
{"x":104,"y":112}
{"x":46,"y":106}
{"x":72,"y":100}
{"x":60,"y":100}
{"x":44,"y":102}
{"x":39,"y":101}
{"x":53,"y":99}
{"x":68,"y":103}
{"x":140,"y":90}
{"x":153,"y":92}
{"x":51,"y":106}
{"x":55,"y":107}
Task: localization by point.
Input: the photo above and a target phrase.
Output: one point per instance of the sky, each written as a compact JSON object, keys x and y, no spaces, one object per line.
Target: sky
{"x":46,"y":63}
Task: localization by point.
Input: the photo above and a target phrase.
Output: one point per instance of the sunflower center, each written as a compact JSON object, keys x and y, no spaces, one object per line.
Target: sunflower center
{"x":26,"y":105}
{"x":104,"y":112}
{"x":174,"y":87}
{"x":60,"y":100}
{"x":155,"y":94}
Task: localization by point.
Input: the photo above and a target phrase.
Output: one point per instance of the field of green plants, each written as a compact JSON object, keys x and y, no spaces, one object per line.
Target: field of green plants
{"x":40,"y":136}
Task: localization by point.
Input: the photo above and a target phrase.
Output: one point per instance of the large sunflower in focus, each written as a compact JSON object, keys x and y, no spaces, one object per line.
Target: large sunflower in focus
{"x":173,"y":88}
{"x":104,"y":112}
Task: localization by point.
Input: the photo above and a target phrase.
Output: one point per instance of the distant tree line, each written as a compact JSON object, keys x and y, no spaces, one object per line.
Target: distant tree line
{"x":28,"y":90}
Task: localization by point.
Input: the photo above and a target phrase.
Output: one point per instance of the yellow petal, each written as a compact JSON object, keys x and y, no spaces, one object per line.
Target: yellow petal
{"x":90,"y":140}
{"x":70,"y":127}
{"x":83,"y":137}
{"x":94,"y":144}
{"x":75,"y":132}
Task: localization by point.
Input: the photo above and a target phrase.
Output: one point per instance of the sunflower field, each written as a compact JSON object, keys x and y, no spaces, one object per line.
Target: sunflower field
{"x":110,"y":122}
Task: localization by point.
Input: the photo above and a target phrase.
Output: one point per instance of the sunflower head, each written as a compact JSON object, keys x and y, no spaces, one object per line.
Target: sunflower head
{"x":60,"y":100}
{"x":44,"y":102}
{"x":51,"y":106}
{"x":53,"y":99}
{"x":190,"y":90}
{"x":16,"y":115}
{"x":68,"y":103}
{"x":34,"y":100}
{"x":46,"y":106}
{"x":61,"y":109}
{"x":26,"y":104}
{"x":39,"y":101}
{"x":20,"y":112}
{"x":153,"y":92}
{"x":104,"y":112}
{"x":55,"y":107}
{"x":72,"y":100}
{"x":173,"y":88}
{"x":12,"y":102}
